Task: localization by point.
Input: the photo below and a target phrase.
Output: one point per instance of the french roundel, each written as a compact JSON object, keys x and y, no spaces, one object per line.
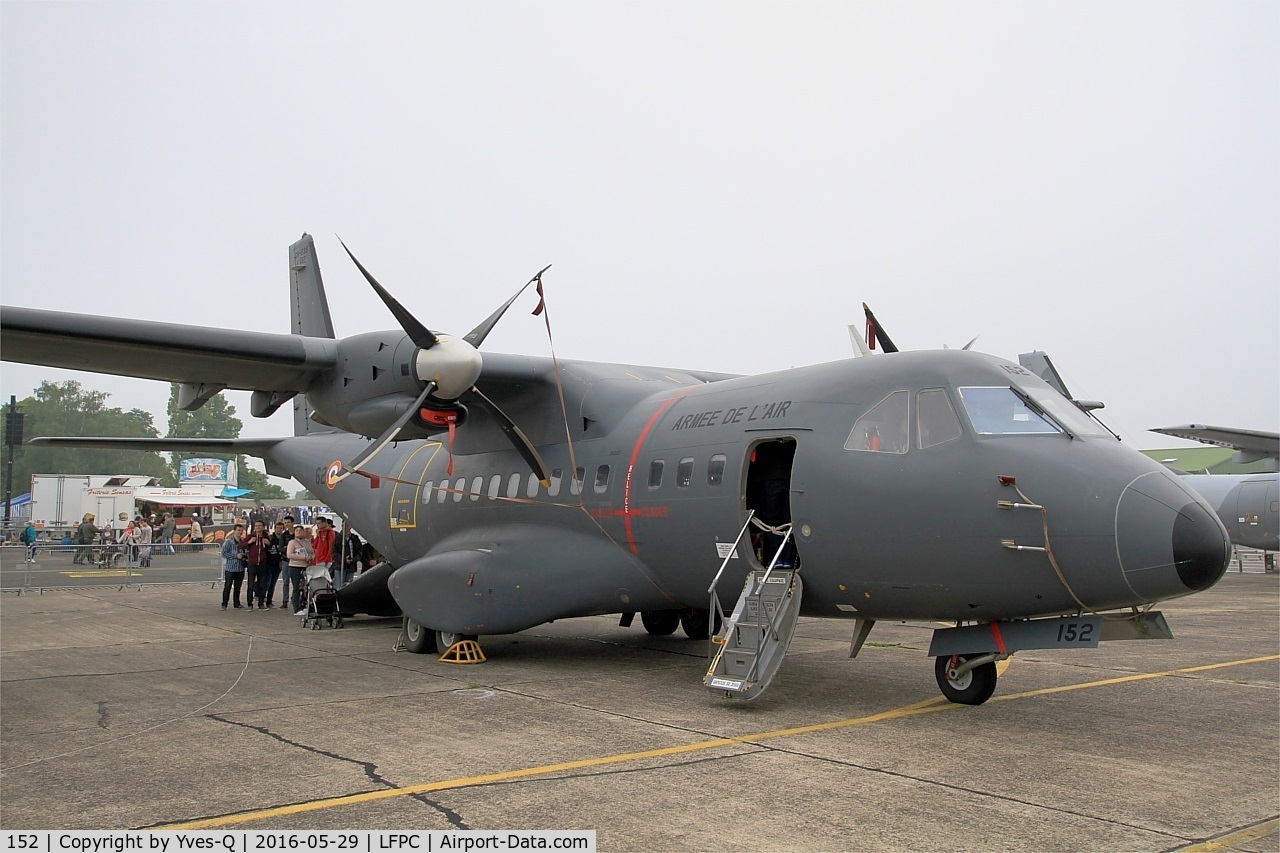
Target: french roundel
{"x":333,"y":474}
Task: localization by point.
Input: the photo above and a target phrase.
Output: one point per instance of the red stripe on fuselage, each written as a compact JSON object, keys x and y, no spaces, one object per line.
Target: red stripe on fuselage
{"x":631,"y":467}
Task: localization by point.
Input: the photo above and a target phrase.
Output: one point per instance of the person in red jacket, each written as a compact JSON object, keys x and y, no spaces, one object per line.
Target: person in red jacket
{"x":323,"y":542}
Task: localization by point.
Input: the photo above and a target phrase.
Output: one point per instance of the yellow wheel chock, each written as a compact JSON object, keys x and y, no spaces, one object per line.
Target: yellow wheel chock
{"x":463,"y":651}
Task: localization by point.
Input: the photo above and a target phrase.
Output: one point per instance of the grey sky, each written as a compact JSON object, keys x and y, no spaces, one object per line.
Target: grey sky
{"x":718,"y":185}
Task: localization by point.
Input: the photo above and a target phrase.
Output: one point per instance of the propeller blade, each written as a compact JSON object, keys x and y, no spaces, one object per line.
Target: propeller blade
{"x":389,"y":435}
{"x":418,"y":333}
{"x":517,"y":438}
{"x":477,"y":335}
{"x":873,"y":325}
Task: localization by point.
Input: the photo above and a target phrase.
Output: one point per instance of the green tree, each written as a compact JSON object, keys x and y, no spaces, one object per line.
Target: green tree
{"x":263,"y":489}
{"x":70,"y":409}
{"x":217,"y":419}
{"x":305,"y":497}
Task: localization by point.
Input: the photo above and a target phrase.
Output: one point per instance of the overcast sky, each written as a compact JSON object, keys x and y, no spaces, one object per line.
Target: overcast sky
{"x":718,"y":185}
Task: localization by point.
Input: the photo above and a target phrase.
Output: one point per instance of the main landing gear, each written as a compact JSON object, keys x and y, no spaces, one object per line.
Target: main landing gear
{"x":696,"y":623}
{"x":421,"y":641}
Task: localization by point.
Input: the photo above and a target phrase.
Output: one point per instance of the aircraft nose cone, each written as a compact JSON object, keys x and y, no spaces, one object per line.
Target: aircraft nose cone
{"x":1169,"y":543}
{"x":1199,"y":549}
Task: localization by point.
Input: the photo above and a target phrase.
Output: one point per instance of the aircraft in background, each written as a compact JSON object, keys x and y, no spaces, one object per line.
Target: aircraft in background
{"x":1250,"y":445}
{"x":944,"y":486}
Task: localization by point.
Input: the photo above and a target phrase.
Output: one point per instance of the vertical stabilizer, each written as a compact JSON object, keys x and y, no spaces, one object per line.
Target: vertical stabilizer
{"x":309,"y":313}
{"x":309,"y":309}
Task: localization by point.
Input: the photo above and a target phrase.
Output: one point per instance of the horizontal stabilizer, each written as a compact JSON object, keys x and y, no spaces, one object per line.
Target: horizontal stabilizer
{"x":249,"y":446}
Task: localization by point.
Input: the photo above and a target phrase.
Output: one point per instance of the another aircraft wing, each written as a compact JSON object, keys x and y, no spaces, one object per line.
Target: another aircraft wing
{"x":169,"y":352}
{"x":1263,"y":444}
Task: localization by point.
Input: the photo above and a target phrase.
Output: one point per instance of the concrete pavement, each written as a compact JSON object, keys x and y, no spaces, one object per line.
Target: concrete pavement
{"x":146,"y":707}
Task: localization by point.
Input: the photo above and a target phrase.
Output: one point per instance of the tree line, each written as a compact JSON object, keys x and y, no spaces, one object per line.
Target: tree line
{"x":70,"y":409}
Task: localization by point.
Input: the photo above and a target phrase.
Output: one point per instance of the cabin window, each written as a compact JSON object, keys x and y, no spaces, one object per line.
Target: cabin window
{"x":936,"y":419}
{"x":579,"y":474}
{"x":442,"y":491}
{"x":532,"y":490}
{"x":884,"y":428}
{"x":513,"y":486}
{"x":557,"y":474}
{"x":715,"y":470}
{"x":426,"y":491}
{"x":1002,"y":411}
{"x":655,"y":473}
{"x":477,"y":486}
{"x":684,"y":473}
{"x":459,"y":489}
{"x":495,"y":484}
{"x":602,"y":479}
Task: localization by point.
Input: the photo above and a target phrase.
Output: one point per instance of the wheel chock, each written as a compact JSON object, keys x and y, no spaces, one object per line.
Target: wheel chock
{"x":463,"y":651}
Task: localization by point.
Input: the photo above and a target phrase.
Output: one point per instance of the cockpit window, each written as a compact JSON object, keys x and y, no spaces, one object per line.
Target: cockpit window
{"x":1002,"y":411}
{"x":936,"y":419}
{"x":884,"y":428}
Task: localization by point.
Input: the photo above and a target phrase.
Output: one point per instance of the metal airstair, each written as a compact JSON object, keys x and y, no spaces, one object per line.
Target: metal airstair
{"x":748,"y":649}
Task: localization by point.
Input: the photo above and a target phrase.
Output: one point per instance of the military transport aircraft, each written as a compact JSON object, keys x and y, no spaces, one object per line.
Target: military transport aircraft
{"x":507,"y":490}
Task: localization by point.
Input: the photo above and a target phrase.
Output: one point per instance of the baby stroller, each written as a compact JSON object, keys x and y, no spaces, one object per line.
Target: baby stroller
{"x":322,"y":600}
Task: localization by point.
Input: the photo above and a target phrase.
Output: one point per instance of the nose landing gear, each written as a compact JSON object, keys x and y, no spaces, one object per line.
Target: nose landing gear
{"x":966,"y":680}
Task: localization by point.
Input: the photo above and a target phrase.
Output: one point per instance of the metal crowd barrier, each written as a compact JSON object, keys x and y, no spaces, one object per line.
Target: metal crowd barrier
{"x":56,"y":564}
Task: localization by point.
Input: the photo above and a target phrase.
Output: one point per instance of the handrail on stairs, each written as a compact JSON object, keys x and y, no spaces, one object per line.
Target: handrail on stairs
{"x":726,"y":624}
{"x":750,"y":515}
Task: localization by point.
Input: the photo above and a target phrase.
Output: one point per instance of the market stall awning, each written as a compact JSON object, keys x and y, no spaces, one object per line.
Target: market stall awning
{"x":202,"y":500}
{"x":179,"y":497}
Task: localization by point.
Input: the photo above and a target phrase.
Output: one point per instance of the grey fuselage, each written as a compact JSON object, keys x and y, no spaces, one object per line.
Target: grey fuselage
{"x":1247,"y":504}
{"x":914,"y":530}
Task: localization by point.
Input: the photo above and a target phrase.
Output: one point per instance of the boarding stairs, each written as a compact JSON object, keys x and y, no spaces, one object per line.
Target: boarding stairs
{"x":748,"y":649}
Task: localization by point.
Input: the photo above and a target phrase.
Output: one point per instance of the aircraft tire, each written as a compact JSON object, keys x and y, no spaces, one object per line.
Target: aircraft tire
{"x":446,"y":639}
{"x":971,"y":688}
{"x":697,"y":623}
{"x":660,"y":622}
{"x":418,"y":639}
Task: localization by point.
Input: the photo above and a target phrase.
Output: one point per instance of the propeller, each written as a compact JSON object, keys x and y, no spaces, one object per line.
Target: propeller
{"x":450,"y":368}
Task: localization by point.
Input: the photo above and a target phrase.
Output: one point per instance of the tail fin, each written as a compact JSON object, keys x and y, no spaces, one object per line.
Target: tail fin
{"x":309,"y":313}
{"x":309,"y":310}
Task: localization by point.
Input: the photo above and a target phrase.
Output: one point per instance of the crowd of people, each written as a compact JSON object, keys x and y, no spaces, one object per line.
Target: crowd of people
{"x":139,"y":536}
{"x":255,"y":560}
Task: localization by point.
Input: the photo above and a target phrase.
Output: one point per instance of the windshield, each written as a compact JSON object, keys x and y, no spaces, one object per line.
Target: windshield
{"x":1001,"y":411}
{"x":1068,"y":414}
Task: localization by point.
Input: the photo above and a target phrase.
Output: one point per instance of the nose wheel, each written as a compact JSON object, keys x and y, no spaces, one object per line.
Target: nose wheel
{"x":965,"y":685}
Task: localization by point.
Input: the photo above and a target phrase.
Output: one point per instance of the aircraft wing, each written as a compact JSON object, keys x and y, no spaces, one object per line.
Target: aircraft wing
{"x":170,"y":352}
{"x":1263,"y":444}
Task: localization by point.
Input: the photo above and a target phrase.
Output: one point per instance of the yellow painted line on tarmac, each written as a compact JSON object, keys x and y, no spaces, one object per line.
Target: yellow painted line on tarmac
{"x":1233,"y":840}
{"x":928,"y":706}
{"x":1143,"y":676}
{"x":103,"y":573}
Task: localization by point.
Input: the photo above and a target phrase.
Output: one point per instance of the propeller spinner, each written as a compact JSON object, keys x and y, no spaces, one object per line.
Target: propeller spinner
{"x":449,"y":368}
